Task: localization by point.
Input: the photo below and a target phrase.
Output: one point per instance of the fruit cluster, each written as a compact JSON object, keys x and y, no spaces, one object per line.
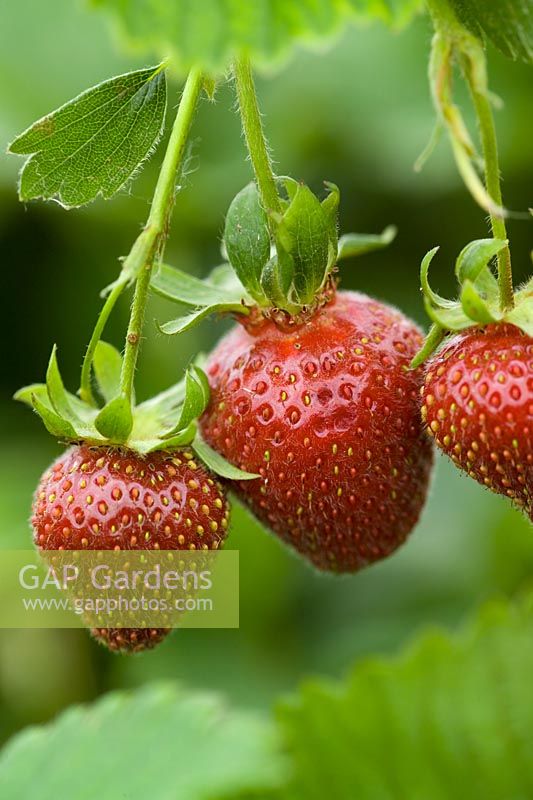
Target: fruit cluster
{"x":319,"y":407}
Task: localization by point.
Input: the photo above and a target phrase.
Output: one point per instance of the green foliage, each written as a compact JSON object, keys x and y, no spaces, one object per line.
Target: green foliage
{"x":356,"y":244}
{"x":508,"y":24}
{"x":305,"y":238}
{"x":115,"y":420}
{"x":107,"y":365}
{"x":159,"y":742}
{"x":479,"y":297}
{"x":247,"y":239}
{"x":450,"y":718}
{"x":220,"y":293}
{"x":522,"y":314}
{"x":278,"y":260}
{"x":217,"y":30}
{"x":218,"y":464}
{"x":93,"y":144}
{"x":195,"y":401}
{"x":165,"y":422}
{"x":306,"y":244}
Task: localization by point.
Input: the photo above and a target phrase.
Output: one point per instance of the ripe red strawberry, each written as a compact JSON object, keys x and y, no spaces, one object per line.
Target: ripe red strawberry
{"x":328,"y":414}
{"x":100,"y":498}
{"x":478,"y":404}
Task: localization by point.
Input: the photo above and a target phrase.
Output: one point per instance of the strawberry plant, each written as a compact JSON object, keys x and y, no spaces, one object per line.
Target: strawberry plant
{"x":307,"y":410}
{"x":333,"y":442}
{"x":130,"y":480}
{"x":319,"y":411}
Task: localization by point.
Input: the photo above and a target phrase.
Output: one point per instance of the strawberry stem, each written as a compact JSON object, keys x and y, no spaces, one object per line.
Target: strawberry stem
{"x":86,"y":392}
{"x":151,"y":241}
{"x":489,"y":145}
{"x":453,"y":39}
{"x":254,"y":134}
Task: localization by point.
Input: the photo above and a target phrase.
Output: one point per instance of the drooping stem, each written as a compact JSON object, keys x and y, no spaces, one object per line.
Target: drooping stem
{"x":254,"y":134}
{"x":86,"y":392}
{"x":151,"y":241}
{"x":453,"y":39}
{"x":489,"y":145}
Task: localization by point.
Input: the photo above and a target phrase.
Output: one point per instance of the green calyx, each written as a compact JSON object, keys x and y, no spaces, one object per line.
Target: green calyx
{"x":165,"y":422}
{"x":278,"y":261}
{"x":283,"y":259}
{"x":478,"y":303}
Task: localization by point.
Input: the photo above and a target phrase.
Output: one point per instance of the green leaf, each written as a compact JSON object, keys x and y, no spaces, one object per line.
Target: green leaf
{"x":85,"y":412}
{"x":330,"y":205}
{"x":195,"y":402}
{"x":158,"y":413}
{"x":93,"y":144}
{"x":217,"y":30}
{"x":107,"y":364}
{"x":224,"y":277}
{"x":247,"y":239}
{"x":449,"y":718}
{"x":115,"y":420}
{"x":220,"y":293}
{"x":522,"y":316}
{"x":507,"y":23}
{"x":451,"y":317}
{"x":218,"y":463}
{"x":432,"y":341}
{"x":180,"y":287}
{"x":473,"y":258}
{"x":276,"y":281}
{"x":180,"y":439}
{"x":431,"y":297}
{"x":302,"y":243}
{"x":355,"y":244}
{"x":26,"y":393}
{"x":474,"y":305}
{"x":54,"y":424}
{"x":181,"y":324}
{"x":158,"y":742}
{"x":57,"y":392}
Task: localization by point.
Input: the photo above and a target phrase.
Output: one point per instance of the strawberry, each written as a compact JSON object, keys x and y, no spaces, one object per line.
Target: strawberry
{"x":477,"y":398}
{"x":103,"y":498}
{"x":328,"y":414}
{"x":478,"y":405}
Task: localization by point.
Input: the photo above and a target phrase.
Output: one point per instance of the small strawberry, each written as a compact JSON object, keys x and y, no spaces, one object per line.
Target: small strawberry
{"x":478,"y":391}
{"x":99,"y":498}
{"x":328,"y":415}
{"x":478,"y":405}
{"x":131,"y":480}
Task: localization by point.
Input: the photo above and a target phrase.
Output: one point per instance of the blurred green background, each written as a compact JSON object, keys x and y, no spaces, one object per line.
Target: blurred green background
{"x":357,"y":114}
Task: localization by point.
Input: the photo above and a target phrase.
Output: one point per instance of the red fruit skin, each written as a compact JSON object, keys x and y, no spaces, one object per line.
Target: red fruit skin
{"x":328,"y":415}
{"x":98,"y":498}
{"x":478,"y":405}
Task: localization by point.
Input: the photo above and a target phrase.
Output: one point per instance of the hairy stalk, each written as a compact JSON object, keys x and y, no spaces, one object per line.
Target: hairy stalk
{"x":489,"y":145}
{"x":151,"y":241}
{"x":254,"y":134}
